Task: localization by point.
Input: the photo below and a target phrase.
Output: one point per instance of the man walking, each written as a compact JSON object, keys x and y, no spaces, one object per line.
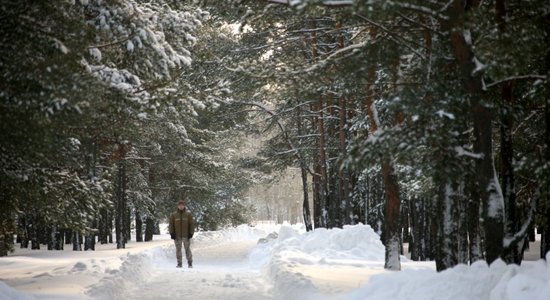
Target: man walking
{"x":182,"y":228}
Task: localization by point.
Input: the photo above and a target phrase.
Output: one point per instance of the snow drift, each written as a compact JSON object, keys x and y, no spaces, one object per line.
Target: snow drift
{"x":134,"y":271}
{"x":358,"y":242}
{"x":7,"y":292}
{"x":498,"y":281}
{"x":282,"y":256}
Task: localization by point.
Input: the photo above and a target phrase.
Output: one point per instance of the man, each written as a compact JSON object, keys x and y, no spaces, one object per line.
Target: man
{"x":182,"y":228}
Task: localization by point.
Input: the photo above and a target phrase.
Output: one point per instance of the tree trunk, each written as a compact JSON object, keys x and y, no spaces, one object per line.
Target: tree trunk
{"x":474,"y":234}
{"x":490,"y":192}
{"x":105,"y":226}
{"x":320,"y":177}
{"x":89,"y":242}
{"x":368,"y":200}
{"x":507,"y":174}
{"x":317,"y":211}
{"x":303,"y":168}
{"x":149,"y":228}
{"x":323,"y":189}
{"x":127,"y":220}
{"x":419,"y":230}
{"x":450,"y":196}
{"x":76,"y":240}
{"x":391,"y":216}
{"x":432,"y":222}
{"x":405,"y":222}
{"x":139,"y":227}
{"x":462,"y":237}
{"x":55,"y":241}
{"x":121,"y":210}
{"x":392,"y":206}
{"x":545,"y":238}
{"x":24,"y":234}
{"x":414,"y":240}
{"x":3,"y":246}
{"x":343,"y":178}
{"x":33,"y":234}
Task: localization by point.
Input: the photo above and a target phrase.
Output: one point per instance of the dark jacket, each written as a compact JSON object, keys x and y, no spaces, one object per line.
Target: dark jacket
{"x":181,"y":224}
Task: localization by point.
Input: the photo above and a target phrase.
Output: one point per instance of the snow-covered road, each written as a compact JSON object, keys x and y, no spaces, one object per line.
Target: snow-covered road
{"x":344,"y":264}
{"x":221,"y":272}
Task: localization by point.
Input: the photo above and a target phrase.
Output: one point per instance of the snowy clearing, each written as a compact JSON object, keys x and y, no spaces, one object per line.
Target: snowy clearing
{"x":231,"y":264}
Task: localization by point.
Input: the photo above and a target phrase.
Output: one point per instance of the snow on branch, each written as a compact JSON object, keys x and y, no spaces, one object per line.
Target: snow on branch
{"x":121,"y":79}
{"x":336,"y":53}
{"x":460,"y":151}
{"x":519,"y":77}
{"x":375,"y":117}
{"x":420,"y":9}
{"x":293,"y":148}
{"x":394,"y":37}
{"x":324,"y":3}
{"x":335,"y":3}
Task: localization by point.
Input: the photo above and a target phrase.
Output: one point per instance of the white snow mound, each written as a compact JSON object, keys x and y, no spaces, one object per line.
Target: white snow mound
{"x":281,"y":256}
{"x":357,"y":242}
{"x":7,"y":292}
{"x":478,"y":281}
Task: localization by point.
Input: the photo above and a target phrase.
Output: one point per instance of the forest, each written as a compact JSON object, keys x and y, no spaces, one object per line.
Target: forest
{"x":427,"y":120}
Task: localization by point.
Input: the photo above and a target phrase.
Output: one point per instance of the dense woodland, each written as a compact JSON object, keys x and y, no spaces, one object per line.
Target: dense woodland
{"x":428,"y":120}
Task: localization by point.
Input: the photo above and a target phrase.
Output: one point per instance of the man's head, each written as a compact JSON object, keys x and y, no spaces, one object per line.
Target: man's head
{"x":181,"y":205}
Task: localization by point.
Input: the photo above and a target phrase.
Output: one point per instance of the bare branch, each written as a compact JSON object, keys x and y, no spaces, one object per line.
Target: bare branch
{"x":531,"y":76}
{"x":332,"y":3}
{"x":109,"y":44}
{"x":293,"y":149}
{"x":393,"y":36}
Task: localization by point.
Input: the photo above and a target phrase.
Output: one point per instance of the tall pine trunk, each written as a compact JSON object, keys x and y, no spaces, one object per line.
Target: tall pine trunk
{"x":323,"y":182}
{"x":139,"y":227}
{"x":391,"y":236}
{"x":450,"y":195}
{"x":318,"y":191}
{"x":545,"y":238}
{"x":512,"y":255}
{"x":343,"y":174}
{"x":462,"y":240}
{"x":120,"y":220}
{"x":474,"y":234}
{"x":55,"y":241}
{"x":127,"y":221}
{"x":77,"y":241}
{"x":149,"y":228}
{"x":391,"y":216}
{"x":303,"y":168}
{"x":489,"y":186}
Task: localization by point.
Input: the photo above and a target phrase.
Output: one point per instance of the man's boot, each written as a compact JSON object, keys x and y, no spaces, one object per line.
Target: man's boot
{"x":190,"y":264}
{"x":179,"y":265}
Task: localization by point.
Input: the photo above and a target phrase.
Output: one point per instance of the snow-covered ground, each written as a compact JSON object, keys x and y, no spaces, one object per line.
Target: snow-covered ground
{"x":231,"y":264}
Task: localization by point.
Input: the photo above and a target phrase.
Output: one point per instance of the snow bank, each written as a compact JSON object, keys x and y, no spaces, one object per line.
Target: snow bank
{"x":7,"y":292}
{"x":134,"y":271}
{"x":281,"y":257}
{"x":242,"y":233}
{"x":478,"y":281}
{"x":358,"y":242}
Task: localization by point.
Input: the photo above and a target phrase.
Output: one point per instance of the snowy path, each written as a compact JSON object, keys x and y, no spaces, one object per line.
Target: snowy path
{"x":344,"y":264}
{"x":220,"y":272}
